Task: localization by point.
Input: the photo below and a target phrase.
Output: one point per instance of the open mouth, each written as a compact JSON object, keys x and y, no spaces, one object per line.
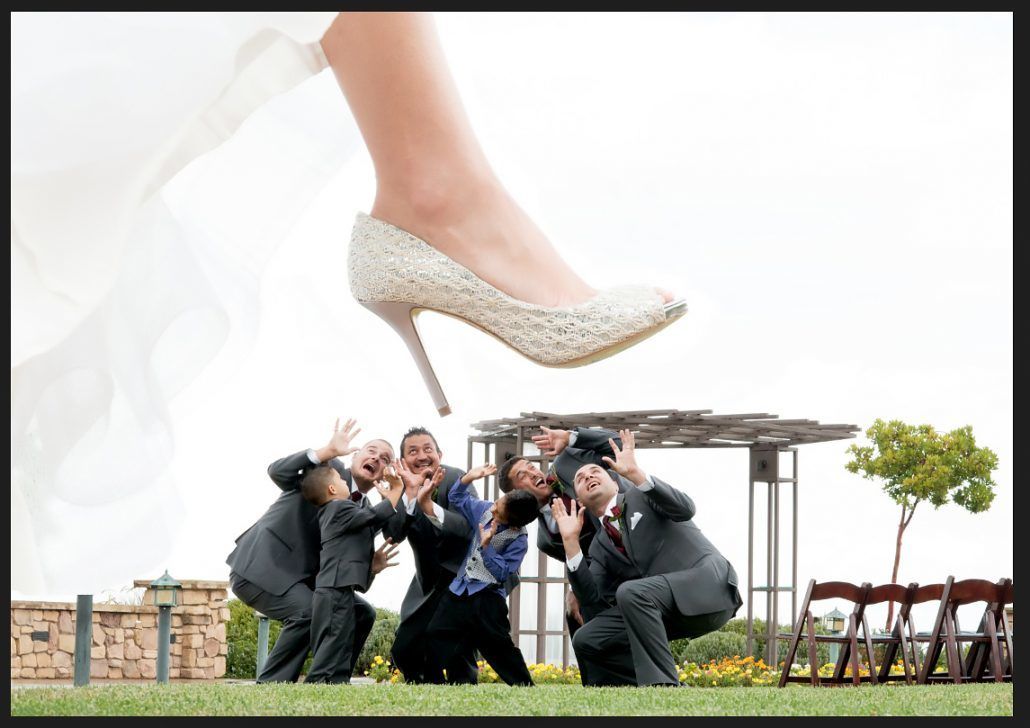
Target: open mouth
{"x":423,"y":463}
{"x":369,"y":468}
{"x":540,"y":482}
{"x":592,"y":483}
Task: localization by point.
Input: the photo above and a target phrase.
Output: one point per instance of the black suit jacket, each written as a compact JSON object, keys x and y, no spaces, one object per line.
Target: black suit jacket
{"x":348,"y":531}
{"x":659,"y":538}
{"x":282,"y":547}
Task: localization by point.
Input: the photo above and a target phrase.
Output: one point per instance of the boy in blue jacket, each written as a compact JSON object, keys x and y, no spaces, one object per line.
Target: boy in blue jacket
{"x":474,"y":612}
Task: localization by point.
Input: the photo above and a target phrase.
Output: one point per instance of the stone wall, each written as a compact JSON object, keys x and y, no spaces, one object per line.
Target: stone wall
{"x":124,"y":644}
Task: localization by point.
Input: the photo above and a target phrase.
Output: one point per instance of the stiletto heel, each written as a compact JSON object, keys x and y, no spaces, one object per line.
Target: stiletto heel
{"x":401,"y":317}
{"x":397,"y":276}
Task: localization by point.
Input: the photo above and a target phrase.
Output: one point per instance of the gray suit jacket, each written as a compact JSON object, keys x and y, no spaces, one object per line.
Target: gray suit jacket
{"x":282,"y":547}
{"x":659,"y":538}
{"x":348,"y":533}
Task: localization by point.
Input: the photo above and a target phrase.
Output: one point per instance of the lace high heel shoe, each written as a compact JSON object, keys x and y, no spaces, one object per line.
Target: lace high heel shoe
{"x":397,"y":276}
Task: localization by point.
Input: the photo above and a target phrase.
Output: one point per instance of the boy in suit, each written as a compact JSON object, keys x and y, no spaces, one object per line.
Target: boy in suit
{"x":473,"y":613}
{"x":652,"y":576}
{"x":347,"y":529}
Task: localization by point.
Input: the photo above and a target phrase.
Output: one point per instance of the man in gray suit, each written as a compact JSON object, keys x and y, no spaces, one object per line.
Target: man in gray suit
{"x":438,"y":555}
{"x":652,"y":577}
{"x":273,"y":567}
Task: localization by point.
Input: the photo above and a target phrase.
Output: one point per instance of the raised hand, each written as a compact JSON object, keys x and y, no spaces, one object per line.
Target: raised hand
{"x":486,"y":536}
{"x":476,"y":473}
{"x":339,"y":443}
{"x":552,"y":442}
{"x":412,"y":480}
{"x":625,"y":462}
{"x":391,"y":476}
{"x":570,"y":522}
{"x":425,"y":491}
{"x":381,"y":558}
{"x":391,"y":488}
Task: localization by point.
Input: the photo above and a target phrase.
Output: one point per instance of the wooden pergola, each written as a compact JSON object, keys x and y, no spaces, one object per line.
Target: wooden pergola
{"x":765,"y":435}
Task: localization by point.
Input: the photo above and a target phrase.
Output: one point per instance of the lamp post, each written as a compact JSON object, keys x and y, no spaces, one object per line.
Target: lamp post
{"x":166,"y":595}
{"x":834,"y":622}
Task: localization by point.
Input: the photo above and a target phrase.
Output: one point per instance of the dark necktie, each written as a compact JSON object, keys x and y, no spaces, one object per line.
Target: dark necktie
{"x":614,"y":534}
{"x":357,"y":497}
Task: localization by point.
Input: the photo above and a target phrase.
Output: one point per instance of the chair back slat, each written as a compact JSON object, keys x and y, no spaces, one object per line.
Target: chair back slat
{"x":969,"y":591}
{"x":887,"y":592}
{"x":838,"y":590}
{"x":928,"y":593}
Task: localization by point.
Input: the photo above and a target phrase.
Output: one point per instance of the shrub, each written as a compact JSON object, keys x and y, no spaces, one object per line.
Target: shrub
{"x":379,"y":642}
{"x":241,"y":636}
{"x":714,"y":646}
{"x":677,"y":648}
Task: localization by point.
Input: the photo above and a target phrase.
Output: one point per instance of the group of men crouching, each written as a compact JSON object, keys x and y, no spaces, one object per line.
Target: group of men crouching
{"x":641,"y":572}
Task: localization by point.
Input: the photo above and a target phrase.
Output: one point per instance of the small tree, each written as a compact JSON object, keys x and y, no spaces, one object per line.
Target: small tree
{"x":916,"y":464}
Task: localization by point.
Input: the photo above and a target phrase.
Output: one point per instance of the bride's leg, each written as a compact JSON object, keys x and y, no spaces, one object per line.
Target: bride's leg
{"x":432,"y":177}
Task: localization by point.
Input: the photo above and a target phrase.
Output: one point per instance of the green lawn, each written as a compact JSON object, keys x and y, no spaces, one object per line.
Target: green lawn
{"x":482,"y":700}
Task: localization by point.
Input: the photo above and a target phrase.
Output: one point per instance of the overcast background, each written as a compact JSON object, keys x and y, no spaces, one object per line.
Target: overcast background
{"x":832,"y":194}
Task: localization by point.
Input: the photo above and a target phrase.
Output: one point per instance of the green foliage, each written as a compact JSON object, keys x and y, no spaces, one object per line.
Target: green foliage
{"x":241,"y":635}
{"x":380,"y":640}
{"x":916,"y":463}
{"x":714,"y":646}
{"x":677,"y":648}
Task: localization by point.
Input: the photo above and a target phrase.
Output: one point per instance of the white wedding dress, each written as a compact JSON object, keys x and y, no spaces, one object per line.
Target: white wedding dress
{"x":145,"y":200}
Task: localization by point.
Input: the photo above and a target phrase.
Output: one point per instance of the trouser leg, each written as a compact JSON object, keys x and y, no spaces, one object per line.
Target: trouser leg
{"x":652,"y":619}
{"x":364,"y":620}
{"x":492,"y":635}
{"x":603,"y":652}
{"x":332,"y":635}
{"x":409,"y":642}
{"x":293,"y":609}
{"x":448,"y":633}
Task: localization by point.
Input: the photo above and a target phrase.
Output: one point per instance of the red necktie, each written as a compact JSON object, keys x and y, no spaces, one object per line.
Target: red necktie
{"x":356,"y":496}
{"x":614,"y":534}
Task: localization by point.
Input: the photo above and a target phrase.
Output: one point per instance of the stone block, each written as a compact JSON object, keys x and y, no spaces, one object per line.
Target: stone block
{"x":114,"y":673}
{"x":193,"y":640}
{"x":65,"y":623}
{"x":43,"y":659}
{"x":129,"y":620}
{"x":211,"y":647}
{"x":15,"y":664}
{"x":147,"y":668}
{"x":62,"y":672}
{"x":26,"y":629}
{"x":173,"y":673}
{"x":176,"y":620}
{"x":219,"y":666}
{"x":46,"y":673}
{"x":52,"y":635}
{"x":66,"y":643}
{"x":224,"y":613}
{"x":188,"y":629}
{"x":149,"y":619}
{"x":189,"y":658}
{"x":196,"y":610}
{"x":205,"y":662}
{"x":37,"y":614}
{"x":149,"y":641}
{"x":130,"y":669}
{"x":50,"y":615}
{"x":176,"y":661}
{"x":218,"y":594}
{"x":116,"y":652}
{"x":194,"y":596}
{"x":149,"y":654}
{"x":40,"y":625}
{"x":194,"y":673}
{"x":39,"y":646}
{"x":24,"y":645}
{"x":98,"y":652}
{"x":61,"y":659}
{"x":196,"y":619}
{"x":27,"y":672}
{"x":111,"y":619}
{"x":114,"y":663}
{"x":176,"y":648}
{"x":21,"y":616}
{"x":29,"y":660}
{"x":209,"y":673}
{"x":223,"y":649}
{"x":98,"y":668}
{"x":131,"y":651}
{"x":14,"y":646}
{"x":99,"y":636}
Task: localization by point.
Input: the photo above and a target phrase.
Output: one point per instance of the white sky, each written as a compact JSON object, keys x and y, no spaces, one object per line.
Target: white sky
{"x":832,"y":194}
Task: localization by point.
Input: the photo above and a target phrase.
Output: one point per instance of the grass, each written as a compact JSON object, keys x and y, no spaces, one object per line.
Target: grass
{"x":481,"y":700}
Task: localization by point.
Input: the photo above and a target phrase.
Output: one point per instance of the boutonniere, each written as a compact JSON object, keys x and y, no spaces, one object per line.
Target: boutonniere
{"x":554,"y":483}
{"x":617,"y":512}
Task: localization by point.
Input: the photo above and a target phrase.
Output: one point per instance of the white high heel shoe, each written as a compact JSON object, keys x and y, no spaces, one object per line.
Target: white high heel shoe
{"x":397,"y":276}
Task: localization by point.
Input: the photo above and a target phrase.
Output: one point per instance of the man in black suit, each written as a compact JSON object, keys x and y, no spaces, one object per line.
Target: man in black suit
{"x":273,"y":567}
{"x":570,"y":449}
{"x":652,"y":577}
{"x":438,"y":552}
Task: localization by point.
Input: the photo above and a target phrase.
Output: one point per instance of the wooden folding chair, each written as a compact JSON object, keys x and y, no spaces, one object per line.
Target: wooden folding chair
{"x":849,"y":642}
{"x":947,"y":635}
{"x":897,"y":639}
{"x":919,"y":595}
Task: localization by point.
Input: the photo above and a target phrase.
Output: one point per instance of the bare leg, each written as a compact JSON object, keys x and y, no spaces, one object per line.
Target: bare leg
{"x":432,"y":178}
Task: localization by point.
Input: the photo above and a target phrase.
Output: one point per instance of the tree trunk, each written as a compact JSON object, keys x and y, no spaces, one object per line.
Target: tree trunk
{"x":902,"y":525}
